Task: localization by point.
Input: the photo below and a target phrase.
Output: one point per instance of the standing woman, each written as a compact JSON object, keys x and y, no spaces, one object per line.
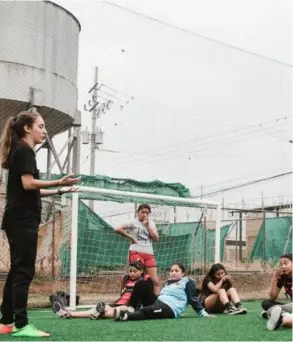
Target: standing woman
{"x":22,"y":216}
{"x":141,"y":231}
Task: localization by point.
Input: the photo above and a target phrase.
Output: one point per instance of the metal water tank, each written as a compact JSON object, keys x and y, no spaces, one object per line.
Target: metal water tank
{"x":38,"y":61}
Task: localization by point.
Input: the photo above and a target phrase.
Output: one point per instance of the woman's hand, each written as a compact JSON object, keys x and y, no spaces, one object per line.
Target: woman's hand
{"x":226,"y":277}
{"x":68,"y":180}
{"x":277,"y":273}
{"x":66,"y":189}
{"x":133,"y":240}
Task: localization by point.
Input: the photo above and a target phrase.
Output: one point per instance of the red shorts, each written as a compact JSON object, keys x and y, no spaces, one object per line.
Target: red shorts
{"x":148,"y":260}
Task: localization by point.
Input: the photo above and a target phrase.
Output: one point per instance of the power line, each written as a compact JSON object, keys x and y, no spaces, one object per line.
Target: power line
{"x":245,"y":184}
{"x":206,"y":143}
{"x":255,"y":173}
{"x":242,"y":130}
{"x":234,"y":47}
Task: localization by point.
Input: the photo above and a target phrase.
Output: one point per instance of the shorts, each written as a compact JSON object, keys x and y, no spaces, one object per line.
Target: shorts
{"x":148,"y":260}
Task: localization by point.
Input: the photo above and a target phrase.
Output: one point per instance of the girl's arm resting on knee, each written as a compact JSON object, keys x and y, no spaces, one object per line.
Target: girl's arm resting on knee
{"x":215,"y":287}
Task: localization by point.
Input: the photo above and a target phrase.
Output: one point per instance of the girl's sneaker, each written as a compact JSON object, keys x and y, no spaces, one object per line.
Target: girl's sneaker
{"x":120,"y":315}
{"x":6,"y":329}
{"x":60,"y":310}
{"x":98,"y":310}
{"x":242,"y":309}
{"x":29,"y":331}
{"x":232,"y":311}
{"x":276,"y":319}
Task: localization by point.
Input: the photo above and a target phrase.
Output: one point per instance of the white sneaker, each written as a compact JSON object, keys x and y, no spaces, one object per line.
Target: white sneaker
{"x":60,"y":310}
{"x":120,"y":315}
{"x":276,"y":319}
{"x":98,"y":310}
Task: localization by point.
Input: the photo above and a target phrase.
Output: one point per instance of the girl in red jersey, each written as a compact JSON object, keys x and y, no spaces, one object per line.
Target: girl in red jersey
{"x":137,"y":289}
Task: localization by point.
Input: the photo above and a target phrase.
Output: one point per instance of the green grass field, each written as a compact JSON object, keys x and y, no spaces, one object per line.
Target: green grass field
{"x":248,"y":327}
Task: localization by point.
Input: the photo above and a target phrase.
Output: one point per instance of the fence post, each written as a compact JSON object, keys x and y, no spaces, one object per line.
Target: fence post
{"x":264,"y":237}
{"x":240,"y":236}
{"x":53,"y":240}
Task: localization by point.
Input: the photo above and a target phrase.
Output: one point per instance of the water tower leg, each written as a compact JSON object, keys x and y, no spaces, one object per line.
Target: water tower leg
{"x":76,"y":152}
{"x":69,"y":161}
{"x":48,"y":172}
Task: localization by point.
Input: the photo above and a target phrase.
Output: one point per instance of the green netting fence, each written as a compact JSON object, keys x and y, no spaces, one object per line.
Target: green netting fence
{"x":99,"y":247}
{"x":274,"y":239}
{"x":155,"y":187}
{"x":203,"y":247}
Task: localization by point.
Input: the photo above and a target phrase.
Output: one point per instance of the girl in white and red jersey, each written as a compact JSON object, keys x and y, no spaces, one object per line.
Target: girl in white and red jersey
{"x":137,"y":289}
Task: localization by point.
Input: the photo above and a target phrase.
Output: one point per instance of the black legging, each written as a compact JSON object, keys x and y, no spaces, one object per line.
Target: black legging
{"x":142,"y":294}
{"x":23,"y":250}
{"x":158,"y":310}
{"x":268,"y":303}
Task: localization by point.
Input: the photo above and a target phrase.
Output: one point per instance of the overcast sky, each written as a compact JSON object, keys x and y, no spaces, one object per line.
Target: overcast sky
{"x":202,"y":113}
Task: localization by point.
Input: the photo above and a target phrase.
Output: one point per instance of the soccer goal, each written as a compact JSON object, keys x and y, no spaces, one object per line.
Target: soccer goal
{"x":93,"y":250}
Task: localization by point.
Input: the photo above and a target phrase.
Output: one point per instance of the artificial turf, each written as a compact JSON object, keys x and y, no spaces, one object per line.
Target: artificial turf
{"x":248,"y":327}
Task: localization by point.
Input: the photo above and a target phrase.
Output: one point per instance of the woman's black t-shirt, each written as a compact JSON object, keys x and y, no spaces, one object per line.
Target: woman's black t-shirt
{"x":21,"y":203}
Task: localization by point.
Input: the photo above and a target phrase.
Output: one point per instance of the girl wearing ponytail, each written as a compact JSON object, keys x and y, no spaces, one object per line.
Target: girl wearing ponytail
{"x":22,"y":216}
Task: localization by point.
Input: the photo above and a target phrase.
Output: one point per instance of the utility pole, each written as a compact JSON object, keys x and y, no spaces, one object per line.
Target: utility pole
{"x":93,"y":135}
{"x":97,"y":106}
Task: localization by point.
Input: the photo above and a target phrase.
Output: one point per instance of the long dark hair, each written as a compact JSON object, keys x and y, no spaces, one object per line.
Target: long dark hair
{"x":14,"y":131}
{"x":286,"y":256}
{"x":211,"y":274}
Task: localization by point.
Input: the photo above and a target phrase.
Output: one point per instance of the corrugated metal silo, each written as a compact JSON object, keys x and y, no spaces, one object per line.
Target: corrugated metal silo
{"x":38,"y":61}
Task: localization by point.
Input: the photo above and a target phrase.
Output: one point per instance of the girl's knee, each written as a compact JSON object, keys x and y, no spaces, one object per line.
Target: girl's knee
{"x":231,"y":290}
{"x":221,"y":291}
{"x":267,"y":303}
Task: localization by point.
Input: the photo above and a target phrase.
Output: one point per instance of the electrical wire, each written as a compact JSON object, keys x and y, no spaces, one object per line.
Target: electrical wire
{"x":206,"y":143}
{"x":230,"y":46}
{"x":246,"y":184}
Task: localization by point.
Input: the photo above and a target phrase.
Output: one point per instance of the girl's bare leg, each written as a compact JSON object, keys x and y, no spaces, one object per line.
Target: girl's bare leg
{"x":233,"y":295}
{"x":212,"y":303}
{"x":153,"y":273}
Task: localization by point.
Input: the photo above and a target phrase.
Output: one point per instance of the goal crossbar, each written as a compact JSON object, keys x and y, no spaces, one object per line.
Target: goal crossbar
{"x":169,"y":200}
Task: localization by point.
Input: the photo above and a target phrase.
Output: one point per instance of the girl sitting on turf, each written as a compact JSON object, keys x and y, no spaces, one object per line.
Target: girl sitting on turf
{"x":178,"y":292}
{"x":136,"y":289}
{"x":217,"y":293}
{"x":282,"y":277}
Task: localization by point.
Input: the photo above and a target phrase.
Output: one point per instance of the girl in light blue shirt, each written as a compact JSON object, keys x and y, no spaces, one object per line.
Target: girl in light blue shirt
{"x":178,"y":292}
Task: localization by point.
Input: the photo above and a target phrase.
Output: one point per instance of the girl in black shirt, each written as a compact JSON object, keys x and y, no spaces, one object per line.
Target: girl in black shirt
{"x":217,"y":292}
{"x":282,"y":278}
{"x":22,"y":216}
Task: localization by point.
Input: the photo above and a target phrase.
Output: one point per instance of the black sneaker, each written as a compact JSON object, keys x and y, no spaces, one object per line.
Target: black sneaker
{"x":60,"y":310}
{"x":264,"y":314}
{"x":242,"y":310}
{"x":232,"y":311}
{"x":98,"y":310}
{"x":276,"y":318}
{"x":120,"y":315}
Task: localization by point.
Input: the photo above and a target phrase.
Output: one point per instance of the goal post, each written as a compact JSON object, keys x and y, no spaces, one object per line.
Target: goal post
{"x":142,"y":197}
